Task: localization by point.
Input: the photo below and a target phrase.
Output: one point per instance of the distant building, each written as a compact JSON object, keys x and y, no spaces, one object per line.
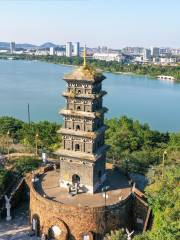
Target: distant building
{"x":42,"y":52}
{"x":166,"y":60}
{"x":69,"y":49}
{"x":52,"y":51}
{"x":104,"y":49}
{"x":3,"y":51}
{"x":108,"y":57}
{"x":138,"y":51}
{"x":138,"y":59}
{"x":12,"y":47}
{"x":76,"y":49}
{"x":146,"y":55}
{"x":60,"y":53}
{"x":175,"y":51}
{"x":165,"y":51}
{"x":155,"y":52}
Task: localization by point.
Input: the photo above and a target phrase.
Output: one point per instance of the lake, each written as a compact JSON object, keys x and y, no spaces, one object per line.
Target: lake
{"x":40,"y":84}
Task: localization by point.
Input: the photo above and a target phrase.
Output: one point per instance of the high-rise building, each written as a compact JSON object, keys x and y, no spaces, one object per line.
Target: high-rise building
{"x":104,"y":49}
{"x":146,"y":54}
{"x":69,"y":49}
{"x":52,"y":51}
{"x":155,"y":52}
{"x":12,"y":47}
{"x":76,"y":49}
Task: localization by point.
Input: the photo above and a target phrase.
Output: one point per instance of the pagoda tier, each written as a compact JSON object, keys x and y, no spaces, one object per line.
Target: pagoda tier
{"x":85,"y":134}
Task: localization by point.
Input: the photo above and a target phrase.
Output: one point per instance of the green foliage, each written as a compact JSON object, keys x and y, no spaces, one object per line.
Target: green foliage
{"x":25,"y":164}
{"x":174,"y":140}
{"x":116,"y":235}
{"x":48,"y":137}
{"x":11,"y":125}
{"x":5,"y":177}
{"x":163,"y":197}
{"x":134,"y":144}
{"x":19,"y":167}
{"x":22,"y":132}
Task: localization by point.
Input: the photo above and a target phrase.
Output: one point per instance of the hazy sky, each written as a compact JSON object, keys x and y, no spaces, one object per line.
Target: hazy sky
{"x":115,"y":23}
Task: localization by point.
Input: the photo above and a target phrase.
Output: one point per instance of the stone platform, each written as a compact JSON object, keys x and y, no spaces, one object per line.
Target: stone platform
{"x":83,"y":215}
{"x":117,"y":183}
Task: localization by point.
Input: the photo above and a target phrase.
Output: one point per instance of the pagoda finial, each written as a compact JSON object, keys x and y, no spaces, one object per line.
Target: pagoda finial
{"x":84,"y":55}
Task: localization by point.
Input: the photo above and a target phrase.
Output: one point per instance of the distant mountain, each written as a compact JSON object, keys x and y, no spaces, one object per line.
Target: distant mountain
{"x":25,"y":45}
{"x":48,"y":45}
{"x":6,"y":45}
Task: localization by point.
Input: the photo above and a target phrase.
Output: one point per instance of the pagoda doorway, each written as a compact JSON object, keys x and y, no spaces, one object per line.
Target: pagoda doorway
{"x":75,"y":179}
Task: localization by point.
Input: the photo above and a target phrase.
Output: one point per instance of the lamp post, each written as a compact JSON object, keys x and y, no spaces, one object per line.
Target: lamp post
{"x":36,"y":142}
{"x":8,"y":134}
{"x":126,"y":166}
{"x":104,"y":190}
{"x":163,"y":163}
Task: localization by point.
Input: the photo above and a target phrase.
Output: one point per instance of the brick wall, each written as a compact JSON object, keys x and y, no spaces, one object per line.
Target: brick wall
{"x":75,"y":221}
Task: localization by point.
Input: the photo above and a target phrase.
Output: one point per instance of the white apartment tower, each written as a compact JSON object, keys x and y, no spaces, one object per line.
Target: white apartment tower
{"x":76,"y":49}
{"x":12,"y":47}
{"x":146,"y":54}
{"x":69,"y":49}
{"x":52,"y":51}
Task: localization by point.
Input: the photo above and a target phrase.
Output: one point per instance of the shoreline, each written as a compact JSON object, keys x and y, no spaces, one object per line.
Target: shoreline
{"x":11,"y":58}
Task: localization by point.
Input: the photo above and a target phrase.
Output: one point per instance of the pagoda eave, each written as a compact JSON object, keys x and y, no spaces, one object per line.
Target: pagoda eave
{"x":82,"y":155}
{"x":89,"y":96}
{"x":83,"y":80}
{"x":82,"y":114}
{"x":90,"y":135}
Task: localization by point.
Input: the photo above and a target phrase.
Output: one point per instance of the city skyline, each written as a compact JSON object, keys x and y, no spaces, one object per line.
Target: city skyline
{"x":116,"y":25}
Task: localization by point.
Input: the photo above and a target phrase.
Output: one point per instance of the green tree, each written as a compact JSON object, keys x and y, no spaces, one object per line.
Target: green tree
{"x":163,"y":196}
{"x":11,"y":125}
{"x":48,"y":138}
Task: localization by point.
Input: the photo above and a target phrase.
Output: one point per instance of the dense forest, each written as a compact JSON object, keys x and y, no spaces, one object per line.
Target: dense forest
{"x":149,"y":69}
{"x":133,"y":147}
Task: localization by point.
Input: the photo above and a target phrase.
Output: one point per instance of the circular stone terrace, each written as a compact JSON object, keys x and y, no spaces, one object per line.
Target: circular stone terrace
{"x":119,"y":190}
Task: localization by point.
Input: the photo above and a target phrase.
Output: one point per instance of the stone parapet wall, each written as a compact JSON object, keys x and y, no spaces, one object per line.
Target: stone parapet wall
{"x":141,"y":213}
{"x":74,"y":221}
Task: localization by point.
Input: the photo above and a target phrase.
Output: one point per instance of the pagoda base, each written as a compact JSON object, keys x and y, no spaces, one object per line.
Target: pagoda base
{"x":84,"y":188}
{"x":84,"y":214}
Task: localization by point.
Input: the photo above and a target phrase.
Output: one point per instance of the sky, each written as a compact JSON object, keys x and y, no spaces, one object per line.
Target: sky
{"x":112,"y":23}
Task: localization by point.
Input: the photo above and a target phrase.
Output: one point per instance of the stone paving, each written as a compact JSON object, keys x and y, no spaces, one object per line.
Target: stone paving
{"x":18,"y":228}
{"x":119,"y":189}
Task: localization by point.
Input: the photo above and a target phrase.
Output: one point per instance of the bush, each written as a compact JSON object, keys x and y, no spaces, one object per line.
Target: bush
{"x":25,"y":164}
{"x":5,"y":179}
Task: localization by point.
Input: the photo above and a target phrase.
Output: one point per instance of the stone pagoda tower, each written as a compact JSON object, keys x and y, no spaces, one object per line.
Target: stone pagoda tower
{"x":91,"y":214}
{"x":83,"y":152}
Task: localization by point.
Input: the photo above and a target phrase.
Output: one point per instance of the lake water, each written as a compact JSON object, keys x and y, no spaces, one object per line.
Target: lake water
{"x":40,"y":84}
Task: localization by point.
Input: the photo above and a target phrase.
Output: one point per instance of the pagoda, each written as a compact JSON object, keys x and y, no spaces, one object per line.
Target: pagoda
{"x":83,"y":151}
